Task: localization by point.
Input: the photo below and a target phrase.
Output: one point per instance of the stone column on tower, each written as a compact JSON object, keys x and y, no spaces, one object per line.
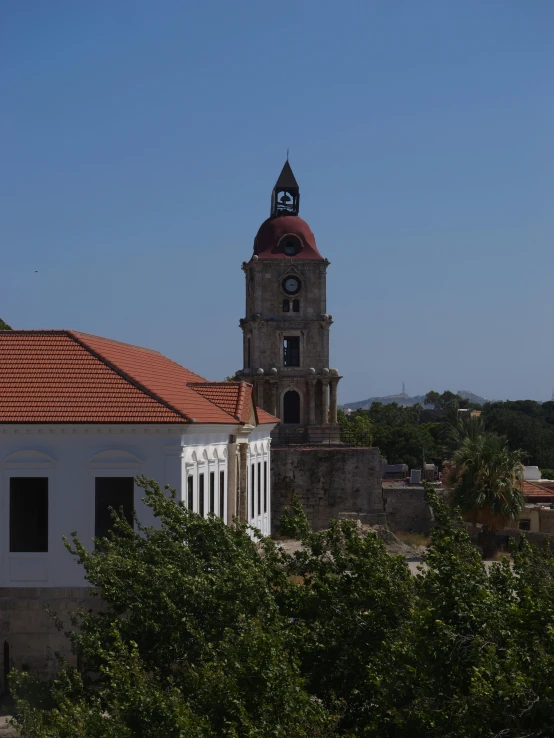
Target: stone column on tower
{"x":325,"y":400}
{"x":334,"y":383}
{"x":274,"y":410}
{"x":260,"y":393}
{"x":311,"y":390}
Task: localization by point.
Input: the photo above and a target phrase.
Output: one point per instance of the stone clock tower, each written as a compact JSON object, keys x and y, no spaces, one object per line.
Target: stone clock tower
{"x":286,"y":328}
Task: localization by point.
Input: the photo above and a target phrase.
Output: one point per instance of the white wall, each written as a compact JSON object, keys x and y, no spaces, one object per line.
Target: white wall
{"x":71,"y":456}
{"x":259,"y":454}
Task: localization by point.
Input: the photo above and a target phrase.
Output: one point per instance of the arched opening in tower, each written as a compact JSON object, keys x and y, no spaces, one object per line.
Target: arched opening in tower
{"x":291,"y":407}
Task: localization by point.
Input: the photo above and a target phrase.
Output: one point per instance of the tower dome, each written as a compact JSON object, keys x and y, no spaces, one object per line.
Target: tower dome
{"x":286,"y":236}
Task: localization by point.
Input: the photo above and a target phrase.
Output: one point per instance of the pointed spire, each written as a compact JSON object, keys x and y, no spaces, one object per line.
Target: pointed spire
{"x":285,"y":199}
{"x":286,"y":178}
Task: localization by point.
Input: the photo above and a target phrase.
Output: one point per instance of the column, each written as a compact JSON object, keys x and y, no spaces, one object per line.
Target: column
{"x":311,"y":390}
{"x":260,"y":394}
{"x":232,"y":491}
{"x":334,"y":383}
{"x":243,"y":482}
{"x":325,"y":401}
{"x":274,"y":410}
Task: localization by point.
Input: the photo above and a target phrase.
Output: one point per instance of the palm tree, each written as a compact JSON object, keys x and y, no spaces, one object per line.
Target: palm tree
{"x":485,"y":478}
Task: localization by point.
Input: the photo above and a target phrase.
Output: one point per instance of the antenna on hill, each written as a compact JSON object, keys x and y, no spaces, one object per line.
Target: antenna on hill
{"x":553,"y":395}
{"x":404,"y":388}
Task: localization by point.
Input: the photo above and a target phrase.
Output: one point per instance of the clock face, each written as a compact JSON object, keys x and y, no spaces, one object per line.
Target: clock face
{"x":291,"y":285}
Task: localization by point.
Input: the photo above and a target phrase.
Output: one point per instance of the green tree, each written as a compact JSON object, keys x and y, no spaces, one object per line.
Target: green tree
{"x":209,"y":631}
{"x":526,"y":424}
{"x":485,"y":478}
{"x":4,"y":326}
{"x":358,"y":430}
{"x":191,"y":643}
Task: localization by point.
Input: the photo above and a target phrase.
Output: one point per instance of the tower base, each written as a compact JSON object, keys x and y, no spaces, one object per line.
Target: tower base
{"x":328,"y":481}
{"x":297,"y":435}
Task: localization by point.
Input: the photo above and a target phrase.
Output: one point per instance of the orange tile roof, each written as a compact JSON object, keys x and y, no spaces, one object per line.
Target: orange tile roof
{"x":71,"y":377}
{"x":230,"y":396}
{"x":264,"y":417}
{"x":235,"y":398}
{"x":536,"y":492}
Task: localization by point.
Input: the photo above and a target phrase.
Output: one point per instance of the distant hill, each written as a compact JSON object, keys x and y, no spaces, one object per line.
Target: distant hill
{"x":468,"y":395}
{"x":407,"y":401}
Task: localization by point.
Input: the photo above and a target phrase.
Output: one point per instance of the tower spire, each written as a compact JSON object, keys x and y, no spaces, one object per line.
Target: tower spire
{"x":285,"y":199}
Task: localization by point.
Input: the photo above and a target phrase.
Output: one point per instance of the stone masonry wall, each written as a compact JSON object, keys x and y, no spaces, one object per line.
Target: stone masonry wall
{"x":407,"y":510}
{"x":328,"y":481}
{"x":28,"y":630}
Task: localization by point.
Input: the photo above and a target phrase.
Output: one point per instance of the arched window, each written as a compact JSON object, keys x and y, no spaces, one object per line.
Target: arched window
{"x":291,"y":407}
{"x":286,"y":306}
{"x":296,"y":306}
{"x":292,"y":246}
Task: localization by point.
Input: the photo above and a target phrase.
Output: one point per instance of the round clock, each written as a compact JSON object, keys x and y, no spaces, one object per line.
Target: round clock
{"x":291,"y":285}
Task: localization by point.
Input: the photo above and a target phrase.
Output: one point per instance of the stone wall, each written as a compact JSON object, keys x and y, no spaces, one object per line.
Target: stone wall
{"x":546,"y":518}
{"x":28,"y":633}
{"x":328,"y":481}
{"x":407,"y":510}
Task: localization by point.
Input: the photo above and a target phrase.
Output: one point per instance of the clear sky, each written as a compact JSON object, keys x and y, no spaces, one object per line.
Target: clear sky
{"x":141,"y":141}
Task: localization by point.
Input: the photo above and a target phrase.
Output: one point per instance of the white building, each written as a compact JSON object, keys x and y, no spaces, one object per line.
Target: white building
{"x":81,"y":416}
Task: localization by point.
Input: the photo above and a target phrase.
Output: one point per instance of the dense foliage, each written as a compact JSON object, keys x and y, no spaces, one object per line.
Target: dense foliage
{"x":404,"y":435}
{"x":527,"y":425}
{"x":4,"y":326}
{"x":411,"y":434}
{"x":484,"y":476}
{"x":211,"y":631}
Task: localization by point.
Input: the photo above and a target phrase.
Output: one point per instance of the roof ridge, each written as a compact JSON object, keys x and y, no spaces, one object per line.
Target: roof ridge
{"x":140,"y":348}
{"x":127,"y":377}
{"x":37,"y":331}
{"x":240,"y":399}
{"x":194,"y":385}
{"x":119,"y":343}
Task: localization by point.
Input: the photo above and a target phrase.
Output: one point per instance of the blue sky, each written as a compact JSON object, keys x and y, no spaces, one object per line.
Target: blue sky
{"x":141,"y":141}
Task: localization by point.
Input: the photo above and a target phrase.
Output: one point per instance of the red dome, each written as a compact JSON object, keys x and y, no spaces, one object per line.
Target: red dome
{"x":269,"y":243}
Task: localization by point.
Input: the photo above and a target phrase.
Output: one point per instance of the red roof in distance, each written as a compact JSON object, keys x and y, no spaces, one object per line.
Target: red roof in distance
{"x":267,"y":246}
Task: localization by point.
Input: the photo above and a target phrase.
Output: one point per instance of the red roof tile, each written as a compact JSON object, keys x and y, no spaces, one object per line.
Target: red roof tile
{"x":71,"y":377}
{"x":235,"y":398}
{"x":537,"y":492}
{"x":264,"y":417}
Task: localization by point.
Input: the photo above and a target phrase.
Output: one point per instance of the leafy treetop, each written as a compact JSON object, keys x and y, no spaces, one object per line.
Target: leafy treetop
{"x":210,"y":630}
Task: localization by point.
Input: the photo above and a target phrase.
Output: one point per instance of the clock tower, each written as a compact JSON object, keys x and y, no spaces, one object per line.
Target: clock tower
{"x":286,"y":328}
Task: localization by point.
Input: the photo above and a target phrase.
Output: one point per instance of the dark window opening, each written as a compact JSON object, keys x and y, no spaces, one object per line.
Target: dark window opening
{"x":248,"y":354}
{"x":525,"y":525}
{"x":286,"y":306}
{"x":259,"y":488}
{"x":291,"y":247}
{"x":116,"y":493}
{"x":291,"y":351}
{"x":190,"y":493}
{"x":201,"y":494}
{"x":212,"y":492}
{"x":253,"y":490}
{"x":291,"y":407}
{"x":29,"y":514}
{"x":265,"y":486}
{"x":296,"y":306}
{"x":221,"y":494}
